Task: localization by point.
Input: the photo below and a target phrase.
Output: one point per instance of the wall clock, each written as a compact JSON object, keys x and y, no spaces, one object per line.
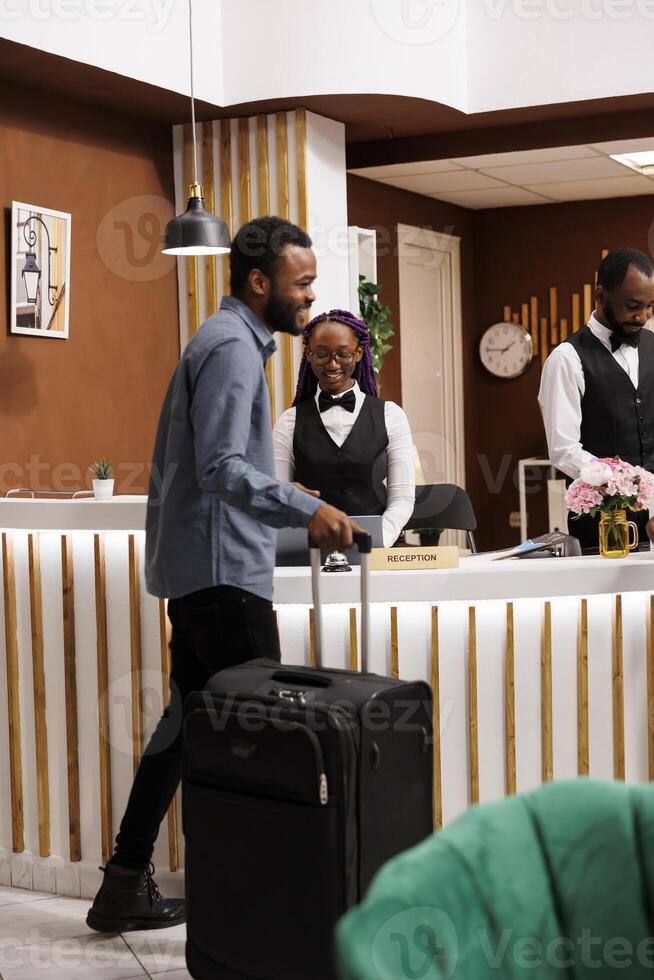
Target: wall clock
{"x":506,"y":350}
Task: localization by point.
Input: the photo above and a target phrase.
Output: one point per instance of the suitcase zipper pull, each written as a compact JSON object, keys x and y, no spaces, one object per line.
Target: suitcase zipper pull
{"x":323,"y":789}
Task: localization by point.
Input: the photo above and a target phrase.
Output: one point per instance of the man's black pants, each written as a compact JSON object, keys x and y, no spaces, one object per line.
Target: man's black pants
{"x":212,"y":629}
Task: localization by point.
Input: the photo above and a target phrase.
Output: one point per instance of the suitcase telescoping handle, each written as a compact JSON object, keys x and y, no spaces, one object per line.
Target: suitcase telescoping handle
{"x":363,"y":541}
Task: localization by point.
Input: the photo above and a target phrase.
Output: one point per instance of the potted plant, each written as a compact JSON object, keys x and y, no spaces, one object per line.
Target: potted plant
{"x":377,"y":319}
{"x":429,"y":536}
{"x":103,"y":484}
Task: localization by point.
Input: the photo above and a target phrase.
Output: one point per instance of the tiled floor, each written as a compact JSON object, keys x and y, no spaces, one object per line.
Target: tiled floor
{"x":44,"y":936}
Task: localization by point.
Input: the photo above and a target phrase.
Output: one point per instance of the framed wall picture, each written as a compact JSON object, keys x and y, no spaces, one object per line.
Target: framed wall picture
{"x":40,"y":271}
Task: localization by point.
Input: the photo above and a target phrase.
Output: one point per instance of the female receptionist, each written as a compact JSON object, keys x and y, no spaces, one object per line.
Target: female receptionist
{"x":339,"y":437}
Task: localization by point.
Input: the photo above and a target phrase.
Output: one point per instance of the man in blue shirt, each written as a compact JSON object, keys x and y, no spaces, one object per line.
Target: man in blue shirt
{"x":210,"y":541}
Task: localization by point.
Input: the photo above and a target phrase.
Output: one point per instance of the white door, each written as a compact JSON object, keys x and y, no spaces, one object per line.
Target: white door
{"x":430,"y":344}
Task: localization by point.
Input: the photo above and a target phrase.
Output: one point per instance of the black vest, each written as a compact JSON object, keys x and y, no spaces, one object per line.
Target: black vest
{"x":616,"y":418}
{"x":352,"y":477}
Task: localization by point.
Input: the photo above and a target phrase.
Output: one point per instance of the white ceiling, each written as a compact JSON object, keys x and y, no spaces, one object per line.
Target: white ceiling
{"x":498,"y":180}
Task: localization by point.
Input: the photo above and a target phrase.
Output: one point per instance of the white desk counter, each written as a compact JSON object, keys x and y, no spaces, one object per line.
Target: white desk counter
{"x":541,"y":668}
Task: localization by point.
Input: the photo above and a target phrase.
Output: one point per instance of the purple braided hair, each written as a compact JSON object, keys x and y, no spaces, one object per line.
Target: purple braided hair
{"x":364,"y":373}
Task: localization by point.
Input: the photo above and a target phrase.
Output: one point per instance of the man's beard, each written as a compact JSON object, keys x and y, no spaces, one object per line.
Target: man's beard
{"x":631,"y":337}
{"x":281,"y":315}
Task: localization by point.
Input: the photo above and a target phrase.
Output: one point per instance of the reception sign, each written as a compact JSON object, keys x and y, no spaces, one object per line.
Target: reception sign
{"x":414,"y":559}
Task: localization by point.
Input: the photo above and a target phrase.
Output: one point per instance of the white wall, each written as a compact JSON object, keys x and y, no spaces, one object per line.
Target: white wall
{"x":473,"y":55}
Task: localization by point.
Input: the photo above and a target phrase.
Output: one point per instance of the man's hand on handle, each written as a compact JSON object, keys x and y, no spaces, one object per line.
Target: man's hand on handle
{"x":332,"y":529}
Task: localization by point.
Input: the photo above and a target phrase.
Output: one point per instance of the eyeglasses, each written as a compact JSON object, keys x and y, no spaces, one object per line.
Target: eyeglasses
{"x":320,"y":357}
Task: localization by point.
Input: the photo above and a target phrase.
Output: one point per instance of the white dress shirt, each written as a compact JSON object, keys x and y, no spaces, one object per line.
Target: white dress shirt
{"x":562,"y":387}
{"x":338,"y":422}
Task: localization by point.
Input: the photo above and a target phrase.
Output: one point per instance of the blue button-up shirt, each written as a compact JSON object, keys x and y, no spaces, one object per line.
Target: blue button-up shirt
{"x":213,"y":499}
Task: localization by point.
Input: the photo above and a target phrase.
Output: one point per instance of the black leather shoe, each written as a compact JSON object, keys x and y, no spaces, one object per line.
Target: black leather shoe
{"x":130,"y":900}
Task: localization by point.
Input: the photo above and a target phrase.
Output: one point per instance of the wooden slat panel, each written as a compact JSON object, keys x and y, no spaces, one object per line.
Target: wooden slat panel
{"x":283,"y":209}
{"x":618,"y":692}
{"x":210,"y":283}
{"x":244,"y":196}
{"x":136,"y":657}
{"x":192,"y":280}
{"x":554,"y":316}
{"x":226,"y":209}
{"x":38,"y":675}
{"x":354,"y":641}
{"x":563,"y":329}
{"x":104,"y":735}
{"x":302,"y":170}
{"x":534,"y":324}
{"x":395,"y":646}
{"x":576,"y":312}
{"x":263,"y":177}
{"x":263,"y":165}
{"x":507,"y":315}
{"x":70,"y":685}
{"x":650,"y":687}
{"x":173,"y":832}
{"x":13,"y":698}
{"x":588,"y":301}
{"x":524,"y":316}
{"x":544,"y":340}
{"x":583,"y":743}
{"x":516,"y":318}
{"x":509,"y":702}
{"x":472,"y":705}
{"x":546,"y":696}
{"x":435,"y":686}
{"x":313,"y":657}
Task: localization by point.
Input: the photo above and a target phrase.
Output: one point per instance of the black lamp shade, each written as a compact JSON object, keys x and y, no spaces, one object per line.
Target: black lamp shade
{"x":196,"y":232}
{"x":31,"y":275}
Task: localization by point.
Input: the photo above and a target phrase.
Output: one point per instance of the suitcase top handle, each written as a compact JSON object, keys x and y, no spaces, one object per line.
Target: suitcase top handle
{"x":362,"y":540}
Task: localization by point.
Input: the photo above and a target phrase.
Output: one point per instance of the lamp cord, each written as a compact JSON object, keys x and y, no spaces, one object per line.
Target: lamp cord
{"x":190,"y":38}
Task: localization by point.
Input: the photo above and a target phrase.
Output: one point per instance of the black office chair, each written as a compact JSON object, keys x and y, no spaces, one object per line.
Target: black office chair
{"x":446,"y":506}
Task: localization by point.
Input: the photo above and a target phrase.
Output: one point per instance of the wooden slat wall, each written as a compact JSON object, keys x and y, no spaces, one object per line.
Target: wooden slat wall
{"x":13,"y":699}
{"x":583,"y":742}
{"x":226,"y":209}
{"x":210,"y":278}
{"x":173,"y":831}
{"x":70,"y":684}
{"x":192,"y":274}
{"x":546,"y":696}
{"x":436,"y":691}
{"x":135,"y":651}
{"x":395,"y":645}
{"x":38,"y":675}
{"x":618,"y":691}
{"x":509,"y":702}
{"x":283,"y":210}
{"x":104,"y":735}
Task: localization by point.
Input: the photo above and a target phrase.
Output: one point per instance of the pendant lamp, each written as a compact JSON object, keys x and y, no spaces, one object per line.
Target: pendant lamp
{"x":197,"y":231}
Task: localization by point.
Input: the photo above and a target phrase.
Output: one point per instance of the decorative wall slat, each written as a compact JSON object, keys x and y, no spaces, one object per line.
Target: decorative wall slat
{"x":210,"y":275}
{"x":136,"y":654}
{"x":70,"y":682}
{"x":473,"y":718}
{"x":395,"y":645}
{"x":104,"y":734}
{"x":546,"y":696}
{"x":192,"y":277}
{"x":583,"y":744}
{"x":13,"y":697}
{"x":618,"y":691}
{"x":354,"y":641}
{"x":38,"y":675}
{"x":436,"y":692}
{"x":509,"y":701}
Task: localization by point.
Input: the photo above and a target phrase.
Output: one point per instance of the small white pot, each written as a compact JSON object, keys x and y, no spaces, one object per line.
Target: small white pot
{"x":103,"y":489}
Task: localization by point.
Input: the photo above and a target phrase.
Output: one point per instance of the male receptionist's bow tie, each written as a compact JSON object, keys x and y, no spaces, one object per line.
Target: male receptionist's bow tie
{"x":618,"y":339}
{"x":348,"y":401}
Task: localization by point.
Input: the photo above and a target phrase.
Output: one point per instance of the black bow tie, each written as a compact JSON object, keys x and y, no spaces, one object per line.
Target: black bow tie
{"x":618,"y":339}
{"x":347,"y":401}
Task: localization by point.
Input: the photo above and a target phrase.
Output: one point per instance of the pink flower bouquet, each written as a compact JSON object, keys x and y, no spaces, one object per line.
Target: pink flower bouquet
{"x":607,"y":485}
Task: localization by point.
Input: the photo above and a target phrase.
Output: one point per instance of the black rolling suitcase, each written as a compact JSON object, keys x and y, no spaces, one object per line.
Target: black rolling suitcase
{"x":299,"y":784}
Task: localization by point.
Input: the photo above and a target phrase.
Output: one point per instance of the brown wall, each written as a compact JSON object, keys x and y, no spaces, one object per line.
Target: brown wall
{"x":99,"y":392}
{"x":507,"y":255}
{"x":375,"y":205}
{"x":520,"y":252}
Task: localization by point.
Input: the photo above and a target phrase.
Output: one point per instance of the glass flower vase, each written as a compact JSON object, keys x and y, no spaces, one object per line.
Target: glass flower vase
{"x":614,"y":534}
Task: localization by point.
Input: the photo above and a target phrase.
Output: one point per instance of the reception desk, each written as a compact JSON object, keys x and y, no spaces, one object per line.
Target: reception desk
{"x":542,"y":669}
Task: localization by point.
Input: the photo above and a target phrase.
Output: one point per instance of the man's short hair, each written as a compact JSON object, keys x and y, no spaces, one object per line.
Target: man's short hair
{"x":615,"y":266}
{"x":260,"y":245}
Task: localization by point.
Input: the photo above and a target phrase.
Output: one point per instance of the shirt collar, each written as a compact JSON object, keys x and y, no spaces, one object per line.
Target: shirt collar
{"x":602,"y":333}
{"x":262,"y":335}
{"x":355,"y":388}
